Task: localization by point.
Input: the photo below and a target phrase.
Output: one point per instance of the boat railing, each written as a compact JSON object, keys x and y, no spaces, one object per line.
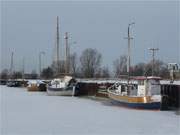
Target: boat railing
{"x":114,"y":86}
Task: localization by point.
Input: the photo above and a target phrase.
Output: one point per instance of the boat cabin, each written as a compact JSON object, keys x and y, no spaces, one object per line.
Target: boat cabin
{"x":148,"y":86}
{"x":36,"y":85}
{"x":62,"y":82}
{"x":125,"y":89}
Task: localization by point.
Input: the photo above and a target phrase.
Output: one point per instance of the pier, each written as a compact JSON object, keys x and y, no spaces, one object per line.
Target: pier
{"x":170,"y":92}
{"x":170,"y":96}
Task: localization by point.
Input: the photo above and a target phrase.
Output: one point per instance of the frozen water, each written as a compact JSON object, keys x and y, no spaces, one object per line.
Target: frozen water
{"x":35,"y":113}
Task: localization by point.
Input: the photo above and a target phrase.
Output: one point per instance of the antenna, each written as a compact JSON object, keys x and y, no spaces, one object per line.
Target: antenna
{"x":153,"y":57}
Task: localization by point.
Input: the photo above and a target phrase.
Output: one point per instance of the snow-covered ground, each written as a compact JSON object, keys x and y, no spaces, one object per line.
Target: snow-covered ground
{"x":35,"y":113}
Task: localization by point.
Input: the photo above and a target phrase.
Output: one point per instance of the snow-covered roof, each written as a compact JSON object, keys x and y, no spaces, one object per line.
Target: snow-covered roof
{"x":35,"y":82}
{"x":149,"y":78}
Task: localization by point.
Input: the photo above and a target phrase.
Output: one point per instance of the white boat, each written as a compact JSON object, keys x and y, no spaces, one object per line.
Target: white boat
{"x":144,"y":95}
{"x":62,"y":87}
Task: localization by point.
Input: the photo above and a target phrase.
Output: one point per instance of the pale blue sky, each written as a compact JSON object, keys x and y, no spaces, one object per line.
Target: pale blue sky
{"x":29,"y":27}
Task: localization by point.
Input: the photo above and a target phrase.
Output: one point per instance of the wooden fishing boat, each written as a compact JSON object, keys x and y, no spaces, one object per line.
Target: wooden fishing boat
{"x":144,"y":95}
{"x":36,"y":85}
{"x":62,"y":87}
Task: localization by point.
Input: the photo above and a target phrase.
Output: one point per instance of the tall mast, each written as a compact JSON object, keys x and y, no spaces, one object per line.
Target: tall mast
{"x":40,"y":62}
{"x":57,"y":46}
{"x":12,"y":64}
{"x":153,"y":58}
{"x":67,"y":53}
{"x":129,"y":51}
{"x":23,"y":67}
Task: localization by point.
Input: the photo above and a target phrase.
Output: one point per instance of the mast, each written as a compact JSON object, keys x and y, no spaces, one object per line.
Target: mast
{"x":129,"y":51}
{"x":12,"y":65}
{"x":153,"y":58}
{"x":57,"y":47}
{"x":39,"y":65}
{"x":40,"y":62}
{"x":23,"y":67}
{"x":67,"y":53}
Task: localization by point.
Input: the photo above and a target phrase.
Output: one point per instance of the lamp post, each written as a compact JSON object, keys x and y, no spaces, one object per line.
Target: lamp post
{"x":40,"y":53}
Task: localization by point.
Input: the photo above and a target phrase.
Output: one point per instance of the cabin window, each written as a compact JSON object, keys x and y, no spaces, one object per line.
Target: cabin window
{"x":141,"y":82}
{"x":155,"y":82}
{"x":135,"y":86}
{"x":122,"y":88}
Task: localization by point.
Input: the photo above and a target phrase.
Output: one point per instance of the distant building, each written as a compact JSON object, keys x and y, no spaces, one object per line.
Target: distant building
{"x":174,"y":66}
{"x":174,"y":70}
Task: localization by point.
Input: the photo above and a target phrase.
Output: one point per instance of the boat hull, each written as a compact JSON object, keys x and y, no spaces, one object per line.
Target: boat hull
{"x":13,"y":84}
{"x":150,"y":106}
{"x":60,"y":92}
{"x":134,"y":102}
{"x":33,"y":88}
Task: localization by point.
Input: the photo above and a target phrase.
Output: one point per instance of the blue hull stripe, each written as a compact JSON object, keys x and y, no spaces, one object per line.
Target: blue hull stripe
{"x":153,"y":105}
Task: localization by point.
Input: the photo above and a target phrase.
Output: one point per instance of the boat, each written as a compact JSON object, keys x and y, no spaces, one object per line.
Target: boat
{"x":63,"y":84}
{"x":62,"y":87}
{"x":36,"y":85}
{"x":143,"y":95}
{"x":13,"y":83}
{"x":3,"y":82}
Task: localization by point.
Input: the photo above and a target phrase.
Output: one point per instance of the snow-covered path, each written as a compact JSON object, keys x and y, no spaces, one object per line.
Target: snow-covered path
{"x":35,"y":113}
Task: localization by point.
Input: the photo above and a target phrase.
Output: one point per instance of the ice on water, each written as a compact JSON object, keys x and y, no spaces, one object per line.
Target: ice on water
{"x":35,"y":113}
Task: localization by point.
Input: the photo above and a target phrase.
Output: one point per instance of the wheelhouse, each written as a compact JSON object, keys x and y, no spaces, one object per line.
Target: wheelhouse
{"x":148,"y":86}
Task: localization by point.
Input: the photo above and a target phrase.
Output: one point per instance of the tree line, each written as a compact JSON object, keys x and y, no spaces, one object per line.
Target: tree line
{"x":89,"y":65}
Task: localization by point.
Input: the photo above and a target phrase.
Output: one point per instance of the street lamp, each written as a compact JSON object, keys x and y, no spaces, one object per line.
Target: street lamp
{"x":40,"y":53}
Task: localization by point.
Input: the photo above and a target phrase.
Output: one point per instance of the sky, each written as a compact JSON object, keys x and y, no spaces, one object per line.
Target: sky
{"x":29,"y":27}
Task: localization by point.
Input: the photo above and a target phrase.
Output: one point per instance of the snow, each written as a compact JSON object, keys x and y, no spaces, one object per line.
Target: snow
{"x":35,"y":82}
{"x":35,"y":113}
{"x":177,"y":82}
{"x":101,"y":81}
{"x":115,"y":80}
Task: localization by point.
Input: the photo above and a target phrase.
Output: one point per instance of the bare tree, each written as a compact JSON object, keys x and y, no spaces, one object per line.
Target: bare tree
{"x":120,"y":66}
{"x":34,"y":74}
{"x":16,"y":75}
{"x":90,"y":62}
{"x":4,"y":74}
{"x":73,"y":64}
{"x":47,"y":73}
{"x":105,"y":73}
{"x":58,"y":67}
{"x":138,"y":69}
{"x":159,"y":67}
